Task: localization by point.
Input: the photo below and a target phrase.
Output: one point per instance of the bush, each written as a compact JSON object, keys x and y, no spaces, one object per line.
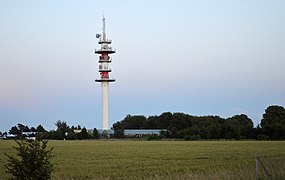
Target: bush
{"x":262,"y":137}
{"x":195,"y":137}
{"x":33,"y":162}
{"x":192,"y":138}
{"x":153,"y":137}
{"x":187,"y":137}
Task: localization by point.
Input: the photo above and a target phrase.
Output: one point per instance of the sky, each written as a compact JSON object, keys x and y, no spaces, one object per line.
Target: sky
{"x":203,"y":57}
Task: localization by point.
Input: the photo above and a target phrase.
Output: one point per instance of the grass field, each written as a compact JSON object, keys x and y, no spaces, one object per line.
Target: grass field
{"x":160,"y":159}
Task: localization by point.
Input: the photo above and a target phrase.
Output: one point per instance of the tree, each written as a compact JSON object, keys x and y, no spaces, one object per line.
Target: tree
{"x":26,"y":129}
{"x":179,"y":120}
{"x":61,"y":125}
{"x":33,"y":162}
{"x":207,"y":127}
{"x":95,"y":133}
{"x":119,"y":131}
{"x":40,"y":128}
{"x":21,"y":127}
{"x":62,"y":128}
{"x":33,"y":129}
{"x":71,"y":135}
{"x":164,"y":120}
{"x":134,"y":122}
{"x":239,"y":127}
{"x":83,"y":134}
{"x":273,"y":122}
{"x":45,"y":135}
{"x":15,"y":130}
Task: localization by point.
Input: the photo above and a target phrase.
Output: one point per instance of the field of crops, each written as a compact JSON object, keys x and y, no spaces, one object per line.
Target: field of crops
{"x":160,"y":159}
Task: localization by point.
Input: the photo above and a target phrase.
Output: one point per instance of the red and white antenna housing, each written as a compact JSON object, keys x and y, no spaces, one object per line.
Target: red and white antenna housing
{"x":104,"y":70}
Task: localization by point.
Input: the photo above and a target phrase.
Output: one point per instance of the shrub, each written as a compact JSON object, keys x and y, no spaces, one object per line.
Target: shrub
{"x":187,"y":137}
{"x":33,"y":161}
{"x":195,"y":137}
{"x":192,"y":138}
{"x":153,"y":137}
{"x":262,"y":137}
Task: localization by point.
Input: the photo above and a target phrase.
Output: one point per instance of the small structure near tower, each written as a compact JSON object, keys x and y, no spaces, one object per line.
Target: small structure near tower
{"x":104,"y":70}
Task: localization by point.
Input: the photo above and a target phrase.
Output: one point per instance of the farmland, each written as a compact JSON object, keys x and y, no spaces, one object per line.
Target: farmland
{"x":160,"y":159}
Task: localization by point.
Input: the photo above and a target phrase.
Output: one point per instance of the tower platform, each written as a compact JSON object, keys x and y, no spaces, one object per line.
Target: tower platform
{"x":106,"y":41}
{"x":108,"y":50}
{"x":105,"y":80}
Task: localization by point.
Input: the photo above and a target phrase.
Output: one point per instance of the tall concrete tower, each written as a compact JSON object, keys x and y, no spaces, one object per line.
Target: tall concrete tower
{"x":104,"y":60}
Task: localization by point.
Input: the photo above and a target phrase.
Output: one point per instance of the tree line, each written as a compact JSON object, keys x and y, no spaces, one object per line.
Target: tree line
{"x":62,"y":132}
{"x":188,"y":127}
{"x":172,"y":125}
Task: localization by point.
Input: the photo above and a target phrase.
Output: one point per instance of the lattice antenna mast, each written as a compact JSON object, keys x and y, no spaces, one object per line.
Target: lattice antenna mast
{"x":104,"y":29}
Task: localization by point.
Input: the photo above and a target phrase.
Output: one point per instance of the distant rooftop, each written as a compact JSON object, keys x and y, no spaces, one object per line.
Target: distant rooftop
{"x":134,"y":131}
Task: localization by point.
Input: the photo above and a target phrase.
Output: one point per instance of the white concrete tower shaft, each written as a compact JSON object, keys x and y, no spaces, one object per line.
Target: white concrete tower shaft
{"x":105,"y":105}
{"x":104,"y":60}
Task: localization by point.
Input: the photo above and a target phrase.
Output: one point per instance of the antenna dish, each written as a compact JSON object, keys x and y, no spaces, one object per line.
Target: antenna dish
{"x":98,"y":35}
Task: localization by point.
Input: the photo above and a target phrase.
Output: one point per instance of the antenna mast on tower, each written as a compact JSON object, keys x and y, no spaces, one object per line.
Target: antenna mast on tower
{"x":104,"y":28}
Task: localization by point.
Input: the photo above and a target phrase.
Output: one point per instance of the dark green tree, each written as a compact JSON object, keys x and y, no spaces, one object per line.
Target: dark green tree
{"x":164,"y":134}
{"x":95,"y":133}
{"x":134,"y":122}
{"x":40,"y":128}
{"x":83,"y":134}
{"x":179,"y":120}
{"x":163,"y":121}
{"x":62,"y":129}
{"x":174,"y":133}
{"x":21,"y":127}
{"x":207,"y":127}
{"x":15,"y":130}
{"x":33,"y":129}
{"x":45,"y":135}
{"x":33,"y":161}
{"x":239,"y":127}
{"x":273,"y":122}
{"x":119,"y":131}
{"x":71,"y":135}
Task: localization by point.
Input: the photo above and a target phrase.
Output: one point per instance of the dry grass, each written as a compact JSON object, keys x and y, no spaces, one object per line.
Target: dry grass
{"x":161,"y":159}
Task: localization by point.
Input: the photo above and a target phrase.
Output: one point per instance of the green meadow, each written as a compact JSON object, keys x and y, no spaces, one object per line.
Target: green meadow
{"x":115,"y":159}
